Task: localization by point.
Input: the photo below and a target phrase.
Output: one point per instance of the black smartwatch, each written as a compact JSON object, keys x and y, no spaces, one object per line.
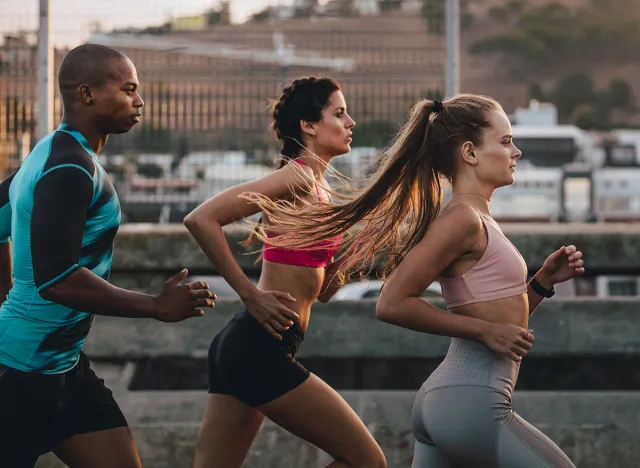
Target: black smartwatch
{"x":541,"y":290}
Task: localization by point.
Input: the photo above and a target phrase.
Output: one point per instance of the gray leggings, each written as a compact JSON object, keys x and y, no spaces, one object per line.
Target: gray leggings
{"x":462,"y":417}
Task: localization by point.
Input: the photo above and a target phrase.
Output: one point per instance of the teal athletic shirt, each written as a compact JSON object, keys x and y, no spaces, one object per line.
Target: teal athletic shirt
{"x":61,"y":213}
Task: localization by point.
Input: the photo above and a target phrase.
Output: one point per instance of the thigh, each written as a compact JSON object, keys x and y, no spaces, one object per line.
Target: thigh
{"x":428,"y":456}
{"x":520,"y":445}
{"x":112,"y":448}
{"x":316,"y":413}
{"x":87,"y":406}
{"x":90,"y":429}
{"x":27,"y":409}
{"x":227,"y":431}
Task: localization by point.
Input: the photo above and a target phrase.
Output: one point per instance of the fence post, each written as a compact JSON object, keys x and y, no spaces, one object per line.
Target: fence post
{"x":452,"y":34}
{"x":45,"y":71}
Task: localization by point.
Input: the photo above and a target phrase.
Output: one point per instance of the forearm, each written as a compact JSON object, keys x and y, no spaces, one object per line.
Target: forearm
{"x":416,"y":314}
{"x":534,"y":298}
{"x":331,"y":283}
{"x":6,"y":270}
{"x":211,"y":239}
{"x":85,"y":291}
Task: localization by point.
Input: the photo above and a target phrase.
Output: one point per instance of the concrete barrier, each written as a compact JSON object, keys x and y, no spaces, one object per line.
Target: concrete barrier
{"x":608,"y":248}
{"x":597,"y":429}
{"x":350,"y":329}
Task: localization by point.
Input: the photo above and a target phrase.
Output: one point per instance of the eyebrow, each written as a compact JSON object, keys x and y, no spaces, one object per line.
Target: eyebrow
{"x":131,"y":83}
{"x":507,"y":136}
{"x":341,"y":108}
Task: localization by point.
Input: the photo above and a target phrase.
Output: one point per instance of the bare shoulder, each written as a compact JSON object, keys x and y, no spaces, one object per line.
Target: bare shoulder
{"x":459,"y":221}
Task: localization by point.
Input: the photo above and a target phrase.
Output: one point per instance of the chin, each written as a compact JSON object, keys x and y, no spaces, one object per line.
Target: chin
{"x":122,"y":129}
{"x":505,"y":183}
{"x":344,"y":150}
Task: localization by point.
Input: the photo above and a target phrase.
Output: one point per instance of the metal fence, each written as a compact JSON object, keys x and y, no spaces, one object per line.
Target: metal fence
{"x":207,"y":88}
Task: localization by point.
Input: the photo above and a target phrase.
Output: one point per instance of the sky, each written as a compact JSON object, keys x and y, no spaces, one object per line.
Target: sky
{"x":71,"y":19}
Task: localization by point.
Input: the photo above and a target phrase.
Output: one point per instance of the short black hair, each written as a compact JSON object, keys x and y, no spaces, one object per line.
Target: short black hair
{"x":86,"y":64}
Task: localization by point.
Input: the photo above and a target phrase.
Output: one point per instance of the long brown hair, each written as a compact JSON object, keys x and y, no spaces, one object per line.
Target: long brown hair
{"x":304,"y":99}
{"x":404,"y":196}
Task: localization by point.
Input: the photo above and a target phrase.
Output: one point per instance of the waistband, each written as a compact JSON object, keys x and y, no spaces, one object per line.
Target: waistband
{"x":472,"y":363}
{"x":291,"y":339}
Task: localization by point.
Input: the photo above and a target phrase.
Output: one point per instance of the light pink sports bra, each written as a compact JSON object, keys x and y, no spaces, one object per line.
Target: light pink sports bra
{"x":501,"y":272}
{"x":317,"y":255}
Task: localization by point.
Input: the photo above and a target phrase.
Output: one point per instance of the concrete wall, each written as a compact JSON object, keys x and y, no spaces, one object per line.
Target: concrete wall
{"x":597,"y":429}
{"x":153,"y":248}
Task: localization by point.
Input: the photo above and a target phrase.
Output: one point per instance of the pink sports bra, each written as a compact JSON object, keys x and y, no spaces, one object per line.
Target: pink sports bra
{"x":317,"y":255}
{"x":501,"y":272}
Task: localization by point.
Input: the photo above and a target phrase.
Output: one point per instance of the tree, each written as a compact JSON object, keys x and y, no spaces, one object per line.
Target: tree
{"x":572,"y":91}
{"x":261,"y":15}
{"x":548,"y":36}
{"x":620,"y":96}
{"x":390,"y":5}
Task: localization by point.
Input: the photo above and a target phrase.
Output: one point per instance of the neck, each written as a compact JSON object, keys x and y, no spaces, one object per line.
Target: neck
{"x":475,"y":196}
{"x":95,"y":138}
{"x":317,"y":161}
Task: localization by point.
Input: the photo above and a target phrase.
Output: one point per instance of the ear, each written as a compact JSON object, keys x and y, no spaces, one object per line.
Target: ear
{"x":307,"y":127}
{"x":468,"y":154}
{"x":86,"y":94}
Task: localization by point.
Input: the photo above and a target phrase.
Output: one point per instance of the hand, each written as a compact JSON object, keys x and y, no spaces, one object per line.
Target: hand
{"x":562,"y":265}
{"x":177,"y":302}
{"x":265,"y":307}
{"x":508,"y":340}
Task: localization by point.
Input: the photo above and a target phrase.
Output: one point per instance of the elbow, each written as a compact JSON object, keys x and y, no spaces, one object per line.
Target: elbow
{"x":385,"y":311}
{"x":193,"y":221}
{"x":190,"y":221}
{"x":50,"y":294}
{"x":324,"y":298}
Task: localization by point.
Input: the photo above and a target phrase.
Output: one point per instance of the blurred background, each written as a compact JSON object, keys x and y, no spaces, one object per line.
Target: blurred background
{"x":208,"y":70}
{"x":567,"y":72}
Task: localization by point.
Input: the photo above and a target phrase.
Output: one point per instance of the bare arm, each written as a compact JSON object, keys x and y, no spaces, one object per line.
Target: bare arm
{"x":205,"y":224}
{"x":562,"y":265}
{"x":451,"y":236}
{"x":331,"y":283}
{"x":534,"y":298}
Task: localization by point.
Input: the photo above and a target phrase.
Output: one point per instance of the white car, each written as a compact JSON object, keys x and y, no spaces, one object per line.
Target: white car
{"x":371,"y":290}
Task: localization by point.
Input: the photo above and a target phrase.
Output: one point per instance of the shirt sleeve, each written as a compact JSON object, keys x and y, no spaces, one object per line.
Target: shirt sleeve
{"x":61,"y":199}
{"x":5,"y":209}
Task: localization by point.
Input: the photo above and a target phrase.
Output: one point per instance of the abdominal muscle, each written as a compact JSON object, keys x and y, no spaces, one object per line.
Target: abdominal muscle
{"x":303,"y":283}
{"x":513,"y":310}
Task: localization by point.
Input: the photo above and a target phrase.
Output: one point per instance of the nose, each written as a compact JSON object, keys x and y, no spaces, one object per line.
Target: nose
{"x":138,"y":102}
{"x":350,"y":122}
{"x":518,"y":153}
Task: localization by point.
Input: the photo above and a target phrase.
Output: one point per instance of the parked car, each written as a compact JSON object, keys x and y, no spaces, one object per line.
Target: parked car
{"x":371,"y":290}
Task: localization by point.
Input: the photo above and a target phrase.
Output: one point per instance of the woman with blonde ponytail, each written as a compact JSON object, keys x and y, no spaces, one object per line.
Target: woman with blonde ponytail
{"x":462,"y":415}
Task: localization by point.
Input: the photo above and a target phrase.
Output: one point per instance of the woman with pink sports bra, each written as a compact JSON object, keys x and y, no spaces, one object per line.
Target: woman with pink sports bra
{"x":253,"y":372}
{"x":462,"y":416}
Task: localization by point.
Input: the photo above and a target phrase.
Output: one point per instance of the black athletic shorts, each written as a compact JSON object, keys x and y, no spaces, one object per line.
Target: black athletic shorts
{"x":38,"y":411}
{"x":247,"y":362}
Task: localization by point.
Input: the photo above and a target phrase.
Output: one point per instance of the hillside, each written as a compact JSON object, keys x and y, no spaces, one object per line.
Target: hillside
{"x":571,"y":51}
